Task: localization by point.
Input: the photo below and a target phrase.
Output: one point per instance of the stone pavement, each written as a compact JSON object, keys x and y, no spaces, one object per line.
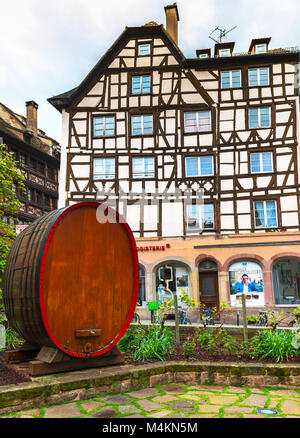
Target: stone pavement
{"x":177,"y":401}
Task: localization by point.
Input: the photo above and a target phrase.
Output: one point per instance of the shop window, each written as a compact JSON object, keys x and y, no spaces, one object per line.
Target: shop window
{"x":171,"y":278}
{"x":246,"y":278}
{"x":286,"y":281}
{"x":142,"y":288}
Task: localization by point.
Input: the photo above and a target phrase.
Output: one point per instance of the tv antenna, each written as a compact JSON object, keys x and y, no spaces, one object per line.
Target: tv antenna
{"x":222,"y":34}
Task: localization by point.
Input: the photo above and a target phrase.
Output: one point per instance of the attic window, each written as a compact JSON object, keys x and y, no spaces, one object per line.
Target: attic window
{"x":261,"y":48}
{"x":224,"y":52}
{"x":144,"y":49}
{"x":203,"y":55}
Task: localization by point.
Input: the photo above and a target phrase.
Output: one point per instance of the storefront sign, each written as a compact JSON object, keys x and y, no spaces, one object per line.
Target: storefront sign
{"x":153,"y":248}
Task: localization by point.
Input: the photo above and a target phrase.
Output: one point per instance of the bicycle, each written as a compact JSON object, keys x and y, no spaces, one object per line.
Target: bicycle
{"x":262,"y":319}
{"x":136,"y":318}
{"x":208,"y":316}
{"x":183,"y":318}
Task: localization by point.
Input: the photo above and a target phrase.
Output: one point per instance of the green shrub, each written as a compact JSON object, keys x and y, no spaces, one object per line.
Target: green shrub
{"x":273,"y":344}
{"x":148,"y":343}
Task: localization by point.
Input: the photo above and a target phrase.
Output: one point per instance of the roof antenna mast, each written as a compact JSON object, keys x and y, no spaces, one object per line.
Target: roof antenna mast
{"x":222,"y":34}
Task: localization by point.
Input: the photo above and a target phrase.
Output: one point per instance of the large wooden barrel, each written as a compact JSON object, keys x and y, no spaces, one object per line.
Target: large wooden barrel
{"x":72,"y":282}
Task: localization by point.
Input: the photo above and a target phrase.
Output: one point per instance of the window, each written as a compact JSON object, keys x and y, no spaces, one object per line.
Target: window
{"x":199,"y":166}
{"x":265,"y":214}
{"x":172,"y":278}
{"x":143,"y":167}
{"x":104,"y":126}
{"x":258,"y":76}
{"x":144,"y":49}
{"x":203,"y":55}
{"x":51,"y":173}
{"x":142,"y":287}
{"x":260,"y":117}
{"x":231,"y":79}
{"x":142,"y":125}
{"x":38,"y":198}
{"x":260,"y":48}
{"x":285,"y":275}
{"x":261,"y":162}
{"x":199,"y":121}
{"x":224,"y":52}
{"x":22,"y":159}
{"x":141,"y":84}
{"x":104,"y":168}
{"x":200,"y":217}
{"x":246,"y":278}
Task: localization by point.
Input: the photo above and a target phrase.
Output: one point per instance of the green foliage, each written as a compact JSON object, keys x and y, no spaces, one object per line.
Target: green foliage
{"x":152,"y":343}
{"x":10,"y":179}
{"x":274,"y":344}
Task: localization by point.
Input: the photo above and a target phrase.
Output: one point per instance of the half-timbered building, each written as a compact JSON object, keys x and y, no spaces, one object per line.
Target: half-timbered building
{"x":37,"y":156}
{"x":222,"y":127}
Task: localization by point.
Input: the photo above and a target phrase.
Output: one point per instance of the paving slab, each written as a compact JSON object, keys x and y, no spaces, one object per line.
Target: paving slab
{"x":238,"y":410}
{"x":255,"y":400}
{"x":144,"y":393}
{"x":148,"y":405}
{"x":160,"y":414}
{"x":129,"y":409}
{"x":223,"y":400}
{"x":290,"y":407}
{"x":172,"y":389}
{"x":183,"y":406}
{"x":115,"y":399}
{"x":209,"y":408}
{"x":91,"y":405}
{"x":106,"y":412}
{"x":285,"y":393}
{"x":68,"y":410}
{"x":164,"y":399}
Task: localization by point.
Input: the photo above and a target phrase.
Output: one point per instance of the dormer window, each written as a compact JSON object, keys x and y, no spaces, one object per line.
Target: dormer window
{"x":260,"y":48}
{"x":224,"y":52}
{"x":203,"y":55}
{"x":259,"y":45}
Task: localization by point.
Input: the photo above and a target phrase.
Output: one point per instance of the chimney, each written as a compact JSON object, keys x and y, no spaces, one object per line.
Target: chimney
{"x":172,"y":18}
{"x":31,"y":116}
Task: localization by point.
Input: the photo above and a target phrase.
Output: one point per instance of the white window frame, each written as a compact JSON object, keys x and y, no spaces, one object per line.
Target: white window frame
{"x":197,"y":121}
{"x":141,"y":116}
{"x":105,"y":175}
{"x":258,"y":76}
{"x":261,"y":162}
{"x":199,"y":218}
{"x":265,"y":214}
{"x":144,"y":175}
{"x":144,"y":45}
{"x":203,"y":55}
{"x":141,"y":92}
{"x":104,"y":117}
{"x":224,"y":52}
{"x":259,"y":118}
{"x":199,"y":166}
{"x":257,"y":46}
{"x":230,"y":78}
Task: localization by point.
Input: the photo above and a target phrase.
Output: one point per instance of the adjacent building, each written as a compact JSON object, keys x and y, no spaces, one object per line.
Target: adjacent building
{"x":223,"y":127}
{"x":38,"y":158}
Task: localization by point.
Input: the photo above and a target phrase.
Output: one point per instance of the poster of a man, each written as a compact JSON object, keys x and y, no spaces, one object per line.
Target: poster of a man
{"x":246,"y":278}
{"x":245,"y":285}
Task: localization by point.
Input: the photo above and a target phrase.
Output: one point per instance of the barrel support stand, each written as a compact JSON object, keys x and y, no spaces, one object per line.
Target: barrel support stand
{"x":52,"y":360}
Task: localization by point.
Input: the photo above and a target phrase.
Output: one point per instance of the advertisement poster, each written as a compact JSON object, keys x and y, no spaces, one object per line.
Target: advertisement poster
{"x":246,"y":278}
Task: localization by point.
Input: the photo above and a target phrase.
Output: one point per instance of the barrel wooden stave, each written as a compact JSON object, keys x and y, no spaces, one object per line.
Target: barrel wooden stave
{"x":85,"y":279}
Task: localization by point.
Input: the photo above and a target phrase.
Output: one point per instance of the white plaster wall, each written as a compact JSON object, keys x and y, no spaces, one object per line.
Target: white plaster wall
{"x":62,"y":196}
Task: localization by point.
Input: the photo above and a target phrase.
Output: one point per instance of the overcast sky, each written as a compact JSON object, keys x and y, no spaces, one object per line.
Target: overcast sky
{"x":48,"y":48}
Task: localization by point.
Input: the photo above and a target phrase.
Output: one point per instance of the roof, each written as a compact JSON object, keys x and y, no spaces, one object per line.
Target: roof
{"x":63,"y":100}
{"x":14,"y":126}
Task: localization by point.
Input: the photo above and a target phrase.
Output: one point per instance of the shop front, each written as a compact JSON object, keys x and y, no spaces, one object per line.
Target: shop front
{"x":264,"y":267}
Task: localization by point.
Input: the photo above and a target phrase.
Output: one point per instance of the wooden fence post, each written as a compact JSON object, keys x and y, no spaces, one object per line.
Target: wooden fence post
{"x":245,"y":327}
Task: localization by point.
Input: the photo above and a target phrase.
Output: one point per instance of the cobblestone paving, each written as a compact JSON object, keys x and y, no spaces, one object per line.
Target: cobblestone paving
{"x":177,"y":401}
